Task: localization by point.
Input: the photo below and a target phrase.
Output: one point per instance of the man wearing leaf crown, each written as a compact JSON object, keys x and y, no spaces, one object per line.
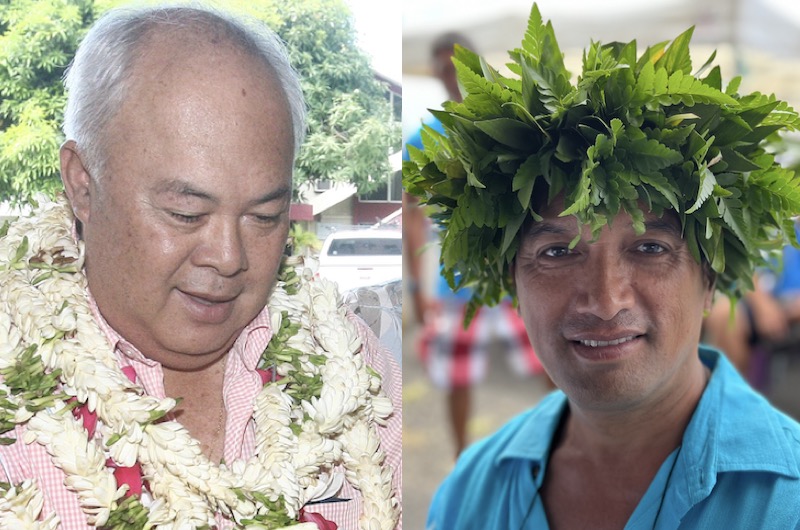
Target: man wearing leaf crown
{"x":613,"y":209}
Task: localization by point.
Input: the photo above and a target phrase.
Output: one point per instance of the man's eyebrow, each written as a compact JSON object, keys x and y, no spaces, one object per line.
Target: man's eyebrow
{"x":651,"y":225}
{"x":543,"y":227}
{"x":663,"y":225}
{"x":182,"y":187}
{"x":279,"y":193}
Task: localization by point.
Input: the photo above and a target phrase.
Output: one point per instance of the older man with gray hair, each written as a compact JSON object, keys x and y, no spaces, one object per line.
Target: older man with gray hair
{"x":163,"y":367}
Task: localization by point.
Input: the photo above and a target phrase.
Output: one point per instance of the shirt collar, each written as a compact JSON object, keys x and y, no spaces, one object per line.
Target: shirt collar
{"x":253,"y":339}
{"x":733,"y":429}
{"x":714,"y":440}
{"x":533,"y":440}
{"x":117,"y":342}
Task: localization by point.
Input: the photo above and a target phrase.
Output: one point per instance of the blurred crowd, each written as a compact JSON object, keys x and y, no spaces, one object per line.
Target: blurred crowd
{"x":764,"y":325}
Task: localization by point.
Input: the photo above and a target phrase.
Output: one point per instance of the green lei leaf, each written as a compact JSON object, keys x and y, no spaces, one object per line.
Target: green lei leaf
{"x":32,"y":386}
{"x":129,"y":514}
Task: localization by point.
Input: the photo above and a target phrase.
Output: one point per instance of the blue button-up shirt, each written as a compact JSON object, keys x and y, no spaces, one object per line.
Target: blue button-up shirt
{"x":738,"y":468}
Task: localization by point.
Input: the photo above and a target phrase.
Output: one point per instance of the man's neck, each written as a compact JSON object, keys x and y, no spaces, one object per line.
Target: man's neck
{"x":651,"y":429}
{"x":202,"y":383}
{"x":202,"y":407}
{"x":607,"y":459}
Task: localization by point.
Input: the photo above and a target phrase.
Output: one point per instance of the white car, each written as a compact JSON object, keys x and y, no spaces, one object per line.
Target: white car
{"x":359,"y":258}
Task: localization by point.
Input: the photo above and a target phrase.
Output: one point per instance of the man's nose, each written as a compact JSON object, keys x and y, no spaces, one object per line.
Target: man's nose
{"x":224,"y":249}
{"x":605,"y":287}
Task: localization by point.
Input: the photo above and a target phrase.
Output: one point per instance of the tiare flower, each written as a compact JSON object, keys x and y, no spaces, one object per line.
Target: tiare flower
{"x":21,"y":507}
{"x":82,"y":461}
{"x":47,"y":332}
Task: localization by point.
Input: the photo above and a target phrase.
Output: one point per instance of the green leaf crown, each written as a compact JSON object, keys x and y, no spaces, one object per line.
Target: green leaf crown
{"x":633,"y":131}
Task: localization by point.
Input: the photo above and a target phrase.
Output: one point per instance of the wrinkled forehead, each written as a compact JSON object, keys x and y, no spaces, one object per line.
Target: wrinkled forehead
{"x":550,"y":215}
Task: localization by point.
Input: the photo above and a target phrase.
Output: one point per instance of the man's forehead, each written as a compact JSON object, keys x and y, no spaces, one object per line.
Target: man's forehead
{"x":161,"y":56}
{"x":174,"y":75}
{"x":554,"y":223}
{"x":188,"y":33}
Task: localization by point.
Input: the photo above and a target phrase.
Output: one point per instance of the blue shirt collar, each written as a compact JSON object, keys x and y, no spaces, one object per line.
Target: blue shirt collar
{"x":713,"y":442}
{"x":716,"y":442}
{"x":533,"y":440}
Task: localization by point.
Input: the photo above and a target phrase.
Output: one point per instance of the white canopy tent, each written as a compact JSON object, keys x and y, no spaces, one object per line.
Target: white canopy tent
{"x":758,"y":38}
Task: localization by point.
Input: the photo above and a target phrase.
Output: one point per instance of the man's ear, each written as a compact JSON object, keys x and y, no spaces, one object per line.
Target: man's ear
{"x":710,"y":293}
{"x":77,"y":180}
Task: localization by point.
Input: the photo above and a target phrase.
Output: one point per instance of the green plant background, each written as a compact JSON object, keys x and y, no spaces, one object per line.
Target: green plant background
{"x":352,"y":126}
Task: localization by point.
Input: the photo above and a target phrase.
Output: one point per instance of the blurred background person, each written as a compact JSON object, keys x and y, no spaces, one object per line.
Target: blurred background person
{"x":455,"y":356}
{"x":763,"y":331}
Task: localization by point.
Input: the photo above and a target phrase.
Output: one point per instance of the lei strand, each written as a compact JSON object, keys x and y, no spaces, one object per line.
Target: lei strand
{"x":321,"y":412}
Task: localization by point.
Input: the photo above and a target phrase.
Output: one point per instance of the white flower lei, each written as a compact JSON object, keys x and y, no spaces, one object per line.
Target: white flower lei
{"x":321,"y":413}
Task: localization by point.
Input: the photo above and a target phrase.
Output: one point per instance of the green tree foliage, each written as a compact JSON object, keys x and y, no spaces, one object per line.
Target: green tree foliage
{"x":351,"y":127}
{"x":38,"y":40}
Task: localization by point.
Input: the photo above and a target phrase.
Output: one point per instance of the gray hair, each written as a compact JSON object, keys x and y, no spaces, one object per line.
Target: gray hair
{"x":99,"y":77}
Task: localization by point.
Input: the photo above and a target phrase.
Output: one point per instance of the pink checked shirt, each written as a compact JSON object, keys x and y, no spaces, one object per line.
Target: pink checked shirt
{"x":240,"y":387}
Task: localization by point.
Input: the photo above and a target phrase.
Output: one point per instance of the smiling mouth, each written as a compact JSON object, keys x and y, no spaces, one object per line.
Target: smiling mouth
{"x":208,"y":310}
{"x":209,"y":299}
{"x":604,"y":343}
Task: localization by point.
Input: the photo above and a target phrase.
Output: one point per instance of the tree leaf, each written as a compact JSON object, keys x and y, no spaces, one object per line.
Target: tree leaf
{"x":649,"y":155}
{"x":578,"y":199}
{"x":677,"y":58}
{"x":507,"y":131}
{"x":525,"y":178}
{"x":662,"y":186}
{"x":511,"y":231}
{"x":706,"y":186}
{"x":736,"y":162}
